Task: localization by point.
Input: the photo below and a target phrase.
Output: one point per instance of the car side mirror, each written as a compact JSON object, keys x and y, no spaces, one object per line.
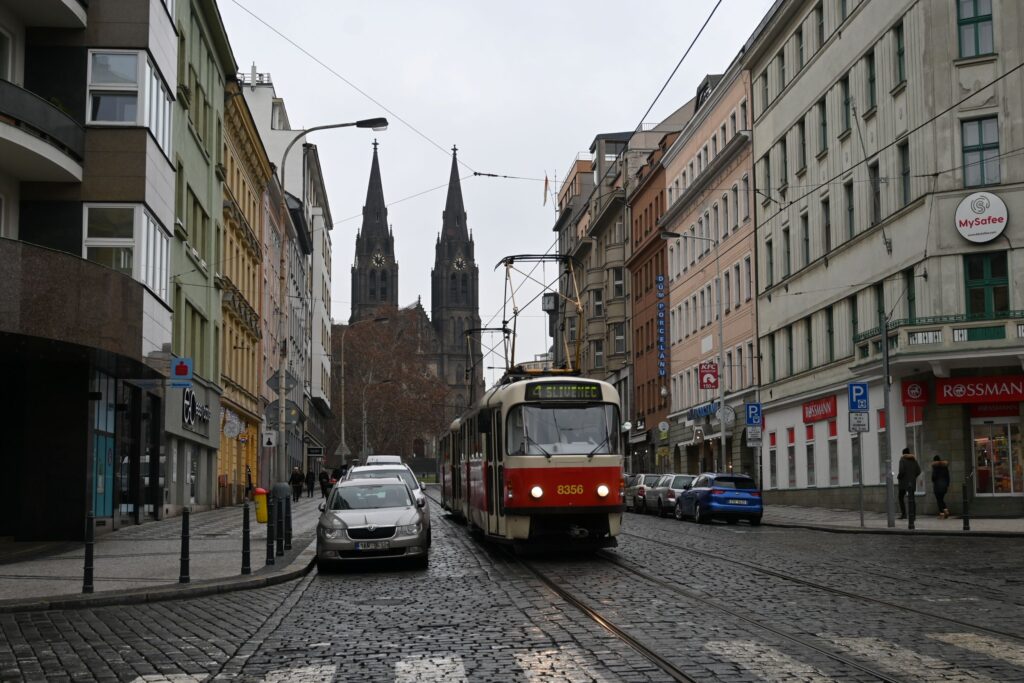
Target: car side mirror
{"x":421,"y":502}
{"x":322,"y":507}
{"x":423,"y":487}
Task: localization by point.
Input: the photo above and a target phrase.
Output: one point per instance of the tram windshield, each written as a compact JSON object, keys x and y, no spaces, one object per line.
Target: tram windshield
{"x":547,"y":430}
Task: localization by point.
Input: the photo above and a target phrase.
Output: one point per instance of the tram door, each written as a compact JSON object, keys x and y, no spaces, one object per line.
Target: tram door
{"x":496,"y":477}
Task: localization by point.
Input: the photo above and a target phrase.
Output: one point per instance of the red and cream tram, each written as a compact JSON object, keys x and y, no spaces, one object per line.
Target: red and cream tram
{"x":537,"y":460}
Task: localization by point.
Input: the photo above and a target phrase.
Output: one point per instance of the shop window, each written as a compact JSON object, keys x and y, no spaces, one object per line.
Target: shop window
{"x":833,"y":454}
{"x":791,"y":456}
{"x":987,"y":285}
{"x":998,"y":467}
{"x":809,"y":457}
{"x":772,"y":462}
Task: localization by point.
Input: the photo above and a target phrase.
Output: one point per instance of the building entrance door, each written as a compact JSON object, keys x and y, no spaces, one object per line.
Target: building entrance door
{"x":997,"y":456}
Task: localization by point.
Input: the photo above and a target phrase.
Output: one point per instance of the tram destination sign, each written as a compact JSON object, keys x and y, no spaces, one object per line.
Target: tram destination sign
{"x":564,"y":391}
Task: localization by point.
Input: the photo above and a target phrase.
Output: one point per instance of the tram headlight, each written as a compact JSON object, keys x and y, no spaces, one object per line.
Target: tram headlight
{"x":536,"y":492}
{"x":602,"y":491}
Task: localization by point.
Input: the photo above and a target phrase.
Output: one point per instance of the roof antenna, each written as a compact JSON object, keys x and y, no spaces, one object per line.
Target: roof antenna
{"x":252,"y":79}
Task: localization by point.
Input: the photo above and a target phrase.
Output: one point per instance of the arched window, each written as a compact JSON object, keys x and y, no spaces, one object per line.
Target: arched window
{"x":373,"y":284}
{"x":384,"y":285}
{"x":465,"y":288}
{"x":453,"y":288}
{"x":462,"y":328}
{"x":455,"y":336}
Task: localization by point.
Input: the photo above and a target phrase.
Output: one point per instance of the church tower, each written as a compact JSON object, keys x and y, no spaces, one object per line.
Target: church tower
{"x":455,"y":303}
{"x":374,"y":271}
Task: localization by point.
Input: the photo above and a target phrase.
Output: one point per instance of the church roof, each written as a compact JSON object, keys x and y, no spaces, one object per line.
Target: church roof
{"x":375,"y":212}
{"x":453,"y":224}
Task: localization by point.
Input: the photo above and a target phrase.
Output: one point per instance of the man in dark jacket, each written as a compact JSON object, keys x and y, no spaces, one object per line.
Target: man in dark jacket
{"x":909,"y":471}
{"x":325,"y":483}
{"x":940,"y":484}
{"x":310,"y":483}
{"x":297,"y":480}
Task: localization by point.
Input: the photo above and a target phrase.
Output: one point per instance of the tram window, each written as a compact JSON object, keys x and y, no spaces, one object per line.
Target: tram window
{"x":496,"y":422}
{"x":543,"y":430}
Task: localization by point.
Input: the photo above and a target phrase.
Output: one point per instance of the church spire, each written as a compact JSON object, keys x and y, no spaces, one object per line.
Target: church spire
{"x":454,"y":216}
{"x":375,"y":212}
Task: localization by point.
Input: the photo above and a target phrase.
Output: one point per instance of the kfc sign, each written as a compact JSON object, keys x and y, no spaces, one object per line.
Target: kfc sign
{"x":981,"y":217}
{"x":915,"y":393}
{"x":1006,"y":389}
{"x":821,"y":409}
{"x":708,"y":372}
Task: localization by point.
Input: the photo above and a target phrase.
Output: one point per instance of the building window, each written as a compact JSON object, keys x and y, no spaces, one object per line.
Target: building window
{"x":125,"y":89}
{"x":598,"y":354}
{"x":572,"y":329}
{"x":746,"y":198}
{"x":786,"y":253}
{"x":844,"y":10}
{"x":751,"y":363}
{"x":901,"y":56}
{"x":809,"y":458}
{"x":980,"y":151}
{"x":769,"y":264}
{"x":826,"y":225}
{"x":875,"y":181}
{"x":872,"y":89}
{"x":197,"y":226}
{"x":598,"y":295}
{"x":781,"y":57}
{"x":783,"y":157}
{"x":619,"y":338}
{"x":736,"y":282}
{"x":830,"y":333}
{"x":974,"y":18}
{"x":128,"y":239}
{"x":844,"y":98}
{"x":850,"y":216}
{"x":822,"y":126}
{"x":5,"y":56}
{"x":791,"y":456}
{"x":819,"y":24}
{"x":833,"y":454}
{"x":766,"y":175}
{"x":903,"y":151}
{"x":748,"y":277}
{"x":725,"y":216}
{"x":772,"y":462}
{"x":801,"y":129}
{"x":789,"y":350}
{"x":764,"y":90}
{"x":799,"y":48}
{"x":805,"y":239}
{"x":987,"y":285}
{"x":809,"y":342}
{"x":771,"y":357}
{"x":727,"y":295}
{"x":910,"y":292}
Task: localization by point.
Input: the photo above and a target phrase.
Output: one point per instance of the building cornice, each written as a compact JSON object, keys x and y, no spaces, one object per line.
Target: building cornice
{"x":703,"y":181}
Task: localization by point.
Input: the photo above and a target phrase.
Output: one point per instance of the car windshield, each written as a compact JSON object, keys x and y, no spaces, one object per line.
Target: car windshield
{"x":370,"y":497}
{"x":405,"y":475}
{"x":734,"y":483}
{"x":547,"y":430}
{"x":650,"y":480}
{"x":680,"y":482}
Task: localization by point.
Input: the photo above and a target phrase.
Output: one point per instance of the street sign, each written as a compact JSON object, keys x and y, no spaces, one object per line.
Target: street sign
{"x":753,"y":438}
{"x":753,"y":414}
{"x":181,"y":373}
{"x":268,"y":439}
{"x":858,"y":398}
{"x":290,"y":381}
{"x":859,"y":422}
{"x":708,"y":372}
{"x":315,"y":450}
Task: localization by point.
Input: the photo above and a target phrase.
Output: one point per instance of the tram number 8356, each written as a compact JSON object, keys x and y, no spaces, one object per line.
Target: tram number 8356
{"x":569,"y":489}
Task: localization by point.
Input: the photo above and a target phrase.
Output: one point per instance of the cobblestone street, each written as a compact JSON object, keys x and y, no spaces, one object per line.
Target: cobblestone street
{"x":715,"y":601}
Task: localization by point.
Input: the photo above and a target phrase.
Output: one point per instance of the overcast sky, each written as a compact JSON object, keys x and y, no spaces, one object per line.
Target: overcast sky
{"x":520,"y":87}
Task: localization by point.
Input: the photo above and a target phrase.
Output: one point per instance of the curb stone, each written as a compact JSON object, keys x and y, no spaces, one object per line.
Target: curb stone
{"x":896,"y":531}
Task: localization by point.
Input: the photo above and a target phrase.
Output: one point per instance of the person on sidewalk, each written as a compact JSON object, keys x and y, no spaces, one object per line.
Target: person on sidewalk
{"x":909,"y":471}
{"x":310,"y":483}
{"x":297,"y":480}
{"x":940,"y":484}
{"x":325,"y":483}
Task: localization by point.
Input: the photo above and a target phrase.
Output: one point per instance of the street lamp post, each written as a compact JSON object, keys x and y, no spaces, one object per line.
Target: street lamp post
{"x":667,"y":235}
{"x":379,"y":123}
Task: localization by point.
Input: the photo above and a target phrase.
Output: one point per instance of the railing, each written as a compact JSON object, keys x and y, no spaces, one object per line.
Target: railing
{"x":941,"y":331}
{"x":937,"y":320}
{"x":42,"y":118}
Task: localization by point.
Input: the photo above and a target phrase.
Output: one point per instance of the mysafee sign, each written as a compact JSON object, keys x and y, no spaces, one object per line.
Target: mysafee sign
{"x":996,"y":389}
{"x":981,"y":217}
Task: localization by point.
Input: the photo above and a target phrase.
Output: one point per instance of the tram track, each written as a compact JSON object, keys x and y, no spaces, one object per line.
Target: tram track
{"x":665,"y":665}
{"x":733,"y":562}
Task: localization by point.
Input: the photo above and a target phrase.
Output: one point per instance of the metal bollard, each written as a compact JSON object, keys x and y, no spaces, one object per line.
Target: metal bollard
{"x":90,"y":540}
{"x":246,"y":568}
{"x":967,"y":508}
{"x":287,"y":523}
{"x":280,"y":527}
{"x":183,"y":576}
{"x":271,"y":523}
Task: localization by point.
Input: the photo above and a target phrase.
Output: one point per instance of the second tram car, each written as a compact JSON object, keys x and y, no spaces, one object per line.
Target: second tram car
{"x":537,"y":460}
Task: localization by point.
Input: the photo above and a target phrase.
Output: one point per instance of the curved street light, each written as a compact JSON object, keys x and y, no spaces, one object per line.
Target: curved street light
{"x":378,"y":123}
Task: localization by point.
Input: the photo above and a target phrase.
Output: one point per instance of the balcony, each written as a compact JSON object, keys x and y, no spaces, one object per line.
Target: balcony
{"x":53,"y":296}
{"x":51,"y":13}
{"x":945,"y":338}
{"x":38,"y":142}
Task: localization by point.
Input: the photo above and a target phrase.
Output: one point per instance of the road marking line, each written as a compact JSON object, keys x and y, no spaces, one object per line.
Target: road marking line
{"x":907,"y":663}
{"x":766,"y":662}
{"x":541,"y":665}
{"x":426,"y":668}
{"x":986,"y":645}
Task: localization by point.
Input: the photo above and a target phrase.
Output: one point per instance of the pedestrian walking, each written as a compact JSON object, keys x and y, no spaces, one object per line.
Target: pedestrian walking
{"x":296,"y":480}
{"x":310,"y":483}
{"x":940,"y":484}
{"x":909,"y":471}
{"x":325,"y":483}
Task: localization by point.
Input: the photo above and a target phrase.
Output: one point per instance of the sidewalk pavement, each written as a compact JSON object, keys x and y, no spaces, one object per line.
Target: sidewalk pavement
{"x":826,"y":519}
{"x":146,"y":559}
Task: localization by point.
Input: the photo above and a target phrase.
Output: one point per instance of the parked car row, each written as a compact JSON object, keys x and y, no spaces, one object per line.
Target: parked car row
{"x":702,"y":498}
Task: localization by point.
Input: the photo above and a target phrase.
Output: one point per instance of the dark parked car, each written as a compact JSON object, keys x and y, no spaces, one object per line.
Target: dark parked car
{"x":731,"y":497}
{"x":663,"y":495}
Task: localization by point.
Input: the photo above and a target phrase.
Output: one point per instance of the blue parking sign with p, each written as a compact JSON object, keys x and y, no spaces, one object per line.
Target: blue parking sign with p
{"x":753,"y":414}
{"x":858,"y":398}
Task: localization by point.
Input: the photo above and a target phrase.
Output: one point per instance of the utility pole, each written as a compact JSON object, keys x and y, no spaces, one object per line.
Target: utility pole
{"x":890,"y":503}
{"x":282,"y":448}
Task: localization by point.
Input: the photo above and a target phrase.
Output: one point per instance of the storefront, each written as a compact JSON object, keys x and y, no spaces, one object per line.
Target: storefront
{"x":193,"y":437}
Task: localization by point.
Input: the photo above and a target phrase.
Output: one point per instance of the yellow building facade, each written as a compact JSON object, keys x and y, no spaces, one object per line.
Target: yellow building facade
{"x":246,"y":169}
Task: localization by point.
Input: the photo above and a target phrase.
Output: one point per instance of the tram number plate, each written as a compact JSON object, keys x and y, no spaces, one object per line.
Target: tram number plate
{"x":569,"y":489}
{"x":373,"y":545}
{"x":736,"y":501}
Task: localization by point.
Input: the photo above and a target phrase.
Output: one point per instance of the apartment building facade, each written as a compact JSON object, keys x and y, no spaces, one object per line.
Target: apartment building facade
{"x":887,"y":188}
{"x":709,"y":274}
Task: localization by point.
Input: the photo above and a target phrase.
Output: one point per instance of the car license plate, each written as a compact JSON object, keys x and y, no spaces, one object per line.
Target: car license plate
{"x":373,"y":545}
{"x":737,"y":501}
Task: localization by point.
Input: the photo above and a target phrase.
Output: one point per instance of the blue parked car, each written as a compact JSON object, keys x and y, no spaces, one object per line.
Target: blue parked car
{"x":731,"y":497}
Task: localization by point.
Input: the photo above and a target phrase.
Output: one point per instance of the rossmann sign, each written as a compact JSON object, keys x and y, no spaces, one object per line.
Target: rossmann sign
{"x":1004,"y":389}
{"x":981,"y":217}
